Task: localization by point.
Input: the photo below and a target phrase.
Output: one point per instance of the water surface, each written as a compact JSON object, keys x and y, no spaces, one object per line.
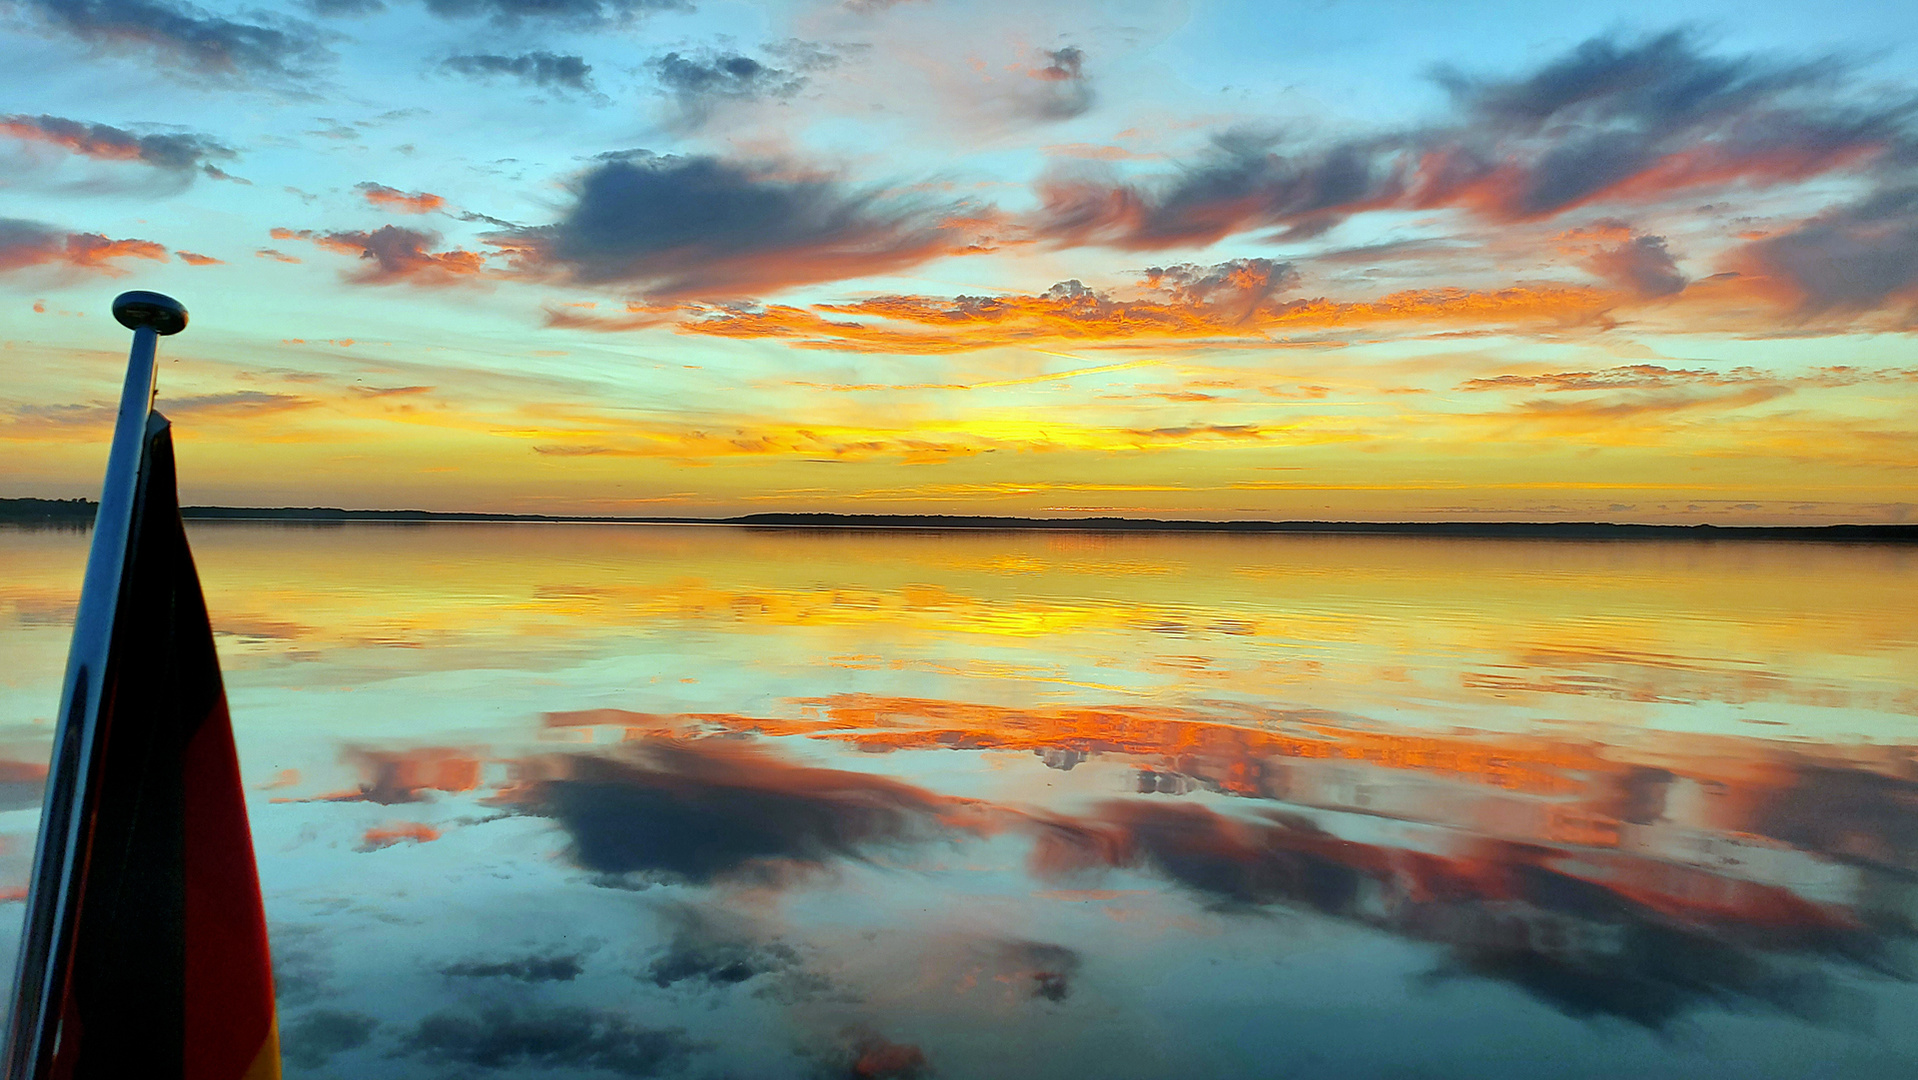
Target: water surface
{"x":578,"y":800}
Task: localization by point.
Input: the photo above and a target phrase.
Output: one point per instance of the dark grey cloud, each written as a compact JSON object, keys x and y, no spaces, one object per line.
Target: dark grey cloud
{"x":1641,"y":265}
{"x":1249,"y":283}
{"x":1851,"y":258}
{"x":812,"y":56}
{"x":506,"y":1037}
{"x":1617,"y":120}
{"x":1858,"y":816}
{"x":708,"y":811}
{"x":170,"y":152}
{"x":552,"y":70}
{"x":302,"y":965}
{"x":1574,"y":944}
{"x":28,"y":243}
{"x":527,"y":969}
{"x":1045,"y":968}
{"x":512,"y":12}
{"x":312,"y":1038}
{"x":714,"y":951}
{"x":192,"y":42}
{"x":1652,"y":83}
{"x":1245,"y":182}
{"x":1063,"y":91}
{"x":578,"y":12}
{"x":343,"y":9}
{"x":721,"y":75}
{"x":706,"y":228}
{"x":1611,"y":111}
{"x":1209,"y":855}
{"x":698,"y":82}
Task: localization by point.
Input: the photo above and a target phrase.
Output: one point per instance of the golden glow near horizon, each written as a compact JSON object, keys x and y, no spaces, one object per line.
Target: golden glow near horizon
{"x":1649,"y":275}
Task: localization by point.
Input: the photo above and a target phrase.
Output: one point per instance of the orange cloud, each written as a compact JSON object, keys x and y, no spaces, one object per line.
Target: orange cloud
{"x":637,"y":316}
{"x":398,"y":832}
{"x":1097,"y":152}
{"x":193,"y":258}
{"x":386,"y":198}
{"x":1595,"y":398}
{"x":388,"y":777}
{"x":178,"y":153}
{"x":1020,"y":320}
{"x":1229,"y":302}
{"x":25,"y":243}
{"x":94,"y":252}
{"x":878,"y":723}
{"x":76,"y":138}
{"x":395,"y":255}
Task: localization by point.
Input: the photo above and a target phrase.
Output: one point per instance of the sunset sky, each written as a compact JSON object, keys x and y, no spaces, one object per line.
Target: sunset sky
{"x":1630,"y":261}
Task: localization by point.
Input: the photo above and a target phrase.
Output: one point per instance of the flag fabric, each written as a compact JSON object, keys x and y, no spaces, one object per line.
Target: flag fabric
{"x":162,"y":969}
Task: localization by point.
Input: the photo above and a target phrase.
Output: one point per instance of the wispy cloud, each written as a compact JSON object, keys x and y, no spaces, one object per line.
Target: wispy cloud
{"x":1613,"y":122}
{"x":190,"y":43}
{"x":168,"y":152}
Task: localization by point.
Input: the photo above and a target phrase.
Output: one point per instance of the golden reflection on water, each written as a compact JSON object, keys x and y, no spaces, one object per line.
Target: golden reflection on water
{"x":1459,"y":623}
{"x":866,"y":773}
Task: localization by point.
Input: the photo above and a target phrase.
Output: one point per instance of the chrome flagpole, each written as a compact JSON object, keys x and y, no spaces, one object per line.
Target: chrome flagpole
{"x":46,"y":939}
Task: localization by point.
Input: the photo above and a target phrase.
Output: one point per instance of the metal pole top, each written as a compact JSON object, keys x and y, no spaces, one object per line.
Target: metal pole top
{"x":157,"y":310}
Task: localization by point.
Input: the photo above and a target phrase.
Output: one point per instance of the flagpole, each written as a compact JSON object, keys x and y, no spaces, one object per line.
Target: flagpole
{"x":47,"y":936}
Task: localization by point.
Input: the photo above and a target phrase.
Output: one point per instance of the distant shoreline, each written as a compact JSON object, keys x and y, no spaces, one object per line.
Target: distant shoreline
{"x":79,"y":512}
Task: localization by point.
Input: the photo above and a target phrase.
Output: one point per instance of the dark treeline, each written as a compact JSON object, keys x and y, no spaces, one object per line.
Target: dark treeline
{"x":80,"y":511}
{"x":48,"y":511}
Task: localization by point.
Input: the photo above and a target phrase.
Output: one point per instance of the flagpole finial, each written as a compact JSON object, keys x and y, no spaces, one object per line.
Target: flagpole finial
{"x":140,"y":308}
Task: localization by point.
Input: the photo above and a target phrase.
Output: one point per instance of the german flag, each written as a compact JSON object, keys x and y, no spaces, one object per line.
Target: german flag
{"x":145,"y":949}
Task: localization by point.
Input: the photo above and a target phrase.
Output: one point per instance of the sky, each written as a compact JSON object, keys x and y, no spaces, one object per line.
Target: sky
{"x":1627,"y":262}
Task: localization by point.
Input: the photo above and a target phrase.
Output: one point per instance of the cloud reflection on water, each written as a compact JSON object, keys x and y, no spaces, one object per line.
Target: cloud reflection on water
{"x":712,"y":810}
{"x":599,"y":801}
{"x":1598,"y":885}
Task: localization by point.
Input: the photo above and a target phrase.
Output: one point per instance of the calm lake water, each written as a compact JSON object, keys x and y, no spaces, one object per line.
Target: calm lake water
{"x":714,"y":802}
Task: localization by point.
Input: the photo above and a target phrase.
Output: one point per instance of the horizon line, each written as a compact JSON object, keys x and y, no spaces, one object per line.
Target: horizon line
{"x":55,"y":511}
